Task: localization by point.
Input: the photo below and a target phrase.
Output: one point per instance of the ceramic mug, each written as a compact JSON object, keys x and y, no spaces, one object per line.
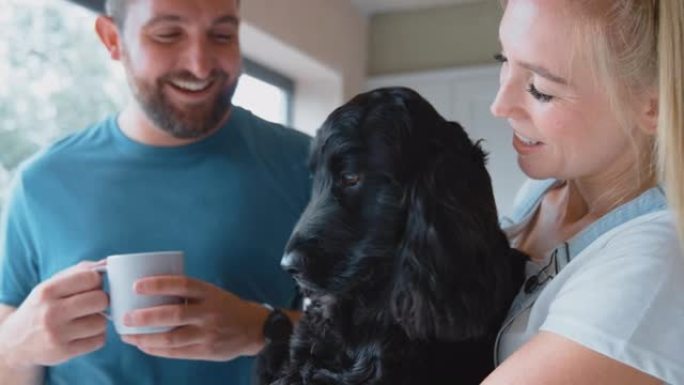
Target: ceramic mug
{"x":123,"y":270}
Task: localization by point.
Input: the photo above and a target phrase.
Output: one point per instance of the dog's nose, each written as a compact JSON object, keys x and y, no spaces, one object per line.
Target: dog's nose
{"x":292,"y":262}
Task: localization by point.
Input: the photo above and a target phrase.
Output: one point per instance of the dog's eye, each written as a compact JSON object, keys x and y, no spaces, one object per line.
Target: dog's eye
{"x":350,"y":180}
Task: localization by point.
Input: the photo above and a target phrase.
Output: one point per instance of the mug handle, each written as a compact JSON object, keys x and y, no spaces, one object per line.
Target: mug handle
{"x":103,"y":270}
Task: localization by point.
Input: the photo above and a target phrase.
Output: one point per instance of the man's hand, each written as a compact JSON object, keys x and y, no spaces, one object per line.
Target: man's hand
{"x":59,"y":320}
{"x":212,"y":325}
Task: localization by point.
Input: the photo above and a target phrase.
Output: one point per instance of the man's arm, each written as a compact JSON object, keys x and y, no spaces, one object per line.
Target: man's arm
{"x":32,"y":375}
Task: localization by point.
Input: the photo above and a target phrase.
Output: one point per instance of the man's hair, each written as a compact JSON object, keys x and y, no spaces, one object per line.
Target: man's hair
{"x":116,"y":9}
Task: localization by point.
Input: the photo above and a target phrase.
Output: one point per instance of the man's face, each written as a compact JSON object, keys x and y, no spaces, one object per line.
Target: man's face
{"x":182,"y":60}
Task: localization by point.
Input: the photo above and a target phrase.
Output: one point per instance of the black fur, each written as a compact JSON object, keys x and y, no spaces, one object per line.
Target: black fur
{"x":399,"y":251}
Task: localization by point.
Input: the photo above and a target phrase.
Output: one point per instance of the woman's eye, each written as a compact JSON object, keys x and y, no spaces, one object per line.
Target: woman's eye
{"x":544,"y":98}
{"x":500,"y":58}
{"x":350,"y":180}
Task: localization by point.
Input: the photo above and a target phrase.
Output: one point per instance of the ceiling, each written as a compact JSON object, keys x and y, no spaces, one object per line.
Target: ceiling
{"x":370,"y":7}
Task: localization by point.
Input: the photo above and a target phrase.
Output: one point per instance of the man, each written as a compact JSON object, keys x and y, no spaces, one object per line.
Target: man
{"x":178,"y":168}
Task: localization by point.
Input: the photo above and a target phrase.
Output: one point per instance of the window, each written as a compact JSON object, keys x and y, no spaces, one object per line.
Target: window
{"x":57,"y":78}
{"x":266,"y":93}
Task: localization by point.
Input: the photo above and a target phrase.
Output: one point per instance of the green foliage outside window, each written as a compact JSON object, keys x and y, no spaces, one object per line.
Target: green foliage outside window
{"x":55,"y":78}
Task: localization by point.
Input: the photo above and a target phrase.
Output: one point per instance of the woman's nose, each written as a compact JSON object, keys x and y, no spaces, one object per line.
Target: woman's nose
{"x":501,"y":106}
{"x":510,"y":102}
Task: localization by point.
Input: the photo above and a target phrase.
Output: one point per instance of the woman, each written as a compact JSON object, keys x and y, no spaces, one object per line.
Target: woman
{"x":603,"y":302}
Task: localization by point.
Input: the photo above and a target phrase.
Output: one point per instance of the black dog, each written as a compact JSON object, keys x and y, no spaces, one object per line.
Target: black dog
{"x":399,"y":251}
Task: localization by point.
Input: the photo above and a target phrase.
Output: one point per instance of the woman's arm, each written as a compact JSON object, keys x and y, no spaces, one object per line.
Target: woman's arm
{"x":551,"y":359}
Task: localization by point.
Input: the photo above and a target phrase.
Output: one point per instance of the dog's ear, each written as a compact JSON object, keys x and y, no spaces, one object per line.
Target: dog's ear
{"x":449,"y":279}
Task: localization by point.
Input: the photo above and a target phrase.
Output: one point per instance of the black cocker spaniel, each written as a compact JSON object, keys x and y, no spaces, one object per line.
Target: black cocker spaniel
{"x":399,"y":253}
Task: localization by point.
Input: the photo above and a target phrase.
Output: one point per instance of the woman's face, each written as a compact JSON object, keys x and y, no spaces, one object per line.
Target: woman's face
{"x":561,"y":118}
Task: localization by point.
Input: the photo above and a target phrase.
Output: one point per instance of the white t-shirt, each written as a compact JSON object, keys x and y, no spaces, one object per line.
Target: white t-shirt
{"x":617,"y":288}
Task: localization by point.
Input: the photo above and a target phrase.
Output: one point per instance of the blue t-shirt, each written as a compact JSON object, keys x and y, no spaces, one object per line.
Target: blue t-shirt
{"x":229,"y":201}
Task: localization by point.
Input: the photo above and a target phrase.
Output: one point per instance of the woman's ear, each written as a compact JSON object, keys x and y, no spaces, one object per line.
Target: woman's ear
{"x":109,"y":35}
{"x":647,"y":117}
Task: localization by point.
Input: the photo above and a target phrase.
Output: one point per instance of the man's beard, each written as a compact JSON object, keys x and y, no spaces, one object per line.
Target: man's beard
{"x":189,"y":122}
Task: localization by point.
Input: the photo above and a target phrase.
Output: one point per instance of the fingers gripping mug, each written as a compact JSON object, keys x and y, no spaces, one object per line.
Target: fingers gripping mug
{"x":123,"y":270}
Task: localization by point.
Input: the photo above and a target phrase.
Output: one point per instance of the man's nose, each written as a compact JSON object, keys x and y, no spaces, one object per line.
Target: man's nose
{"x":199,"y":59}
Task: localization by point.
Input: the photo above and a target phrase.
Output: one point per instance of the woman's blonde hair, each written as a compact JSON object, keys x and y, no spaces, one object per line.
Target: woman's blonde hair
{"x":671,"y":107}
{"x":622,"y":41}
{"x":638,"y":46}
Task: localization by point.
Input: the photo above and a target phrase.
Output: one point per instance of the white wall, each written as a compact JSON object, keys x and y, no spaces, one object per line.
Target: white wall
{"x":464,"y":95}
{"x":433,"y":38}
{"x":320,"y":44}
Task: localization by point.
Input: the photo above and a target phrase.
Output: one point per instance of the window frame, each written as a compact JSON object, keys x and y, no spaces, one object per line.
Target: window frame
{"x":276,"y":79}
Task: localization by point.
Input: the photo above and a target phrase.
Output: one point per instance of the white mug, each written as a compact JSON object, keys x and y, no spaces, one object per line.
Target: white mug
{"x":123,"y":270}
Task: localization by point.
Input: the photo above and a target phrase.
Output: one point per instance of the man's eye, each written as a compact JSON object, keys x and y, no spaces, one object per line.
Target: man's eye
{"x":350,"y":180}
{"x":223,"y":38}
{"x":167,"y":37}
